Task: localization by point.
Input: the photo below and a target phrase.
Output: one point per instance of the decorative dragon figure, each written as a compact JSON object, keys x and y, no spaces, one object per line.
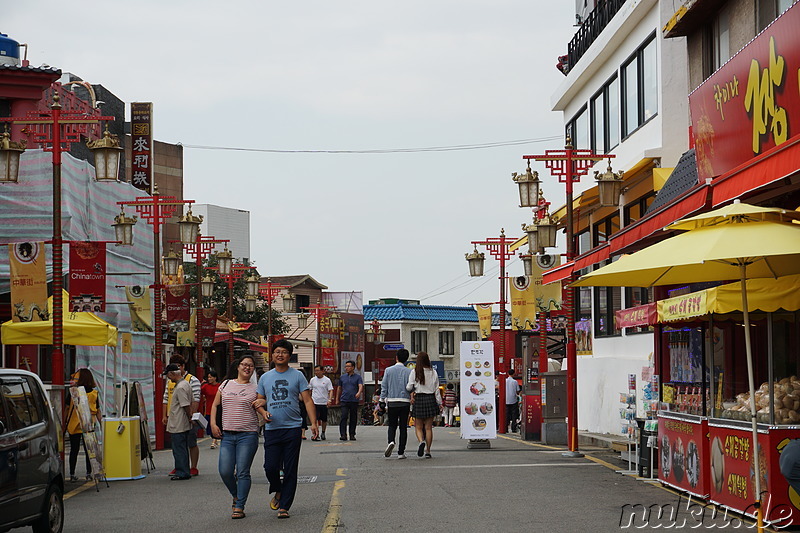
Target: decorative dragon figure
{"x":19,"y":312}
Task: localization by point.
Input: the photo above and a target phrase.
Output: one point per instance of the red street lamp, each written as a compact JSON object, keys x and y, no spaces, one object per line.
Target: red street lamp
{"x":499,"y":248}
{"x":55,"y":132}
{"x":268,"y":291}
{"x":156,"y":210}
{"x":568,"y":165}
{"x":375,"y":333}
{"x":317,"y":312}
{"x":235,"y":274}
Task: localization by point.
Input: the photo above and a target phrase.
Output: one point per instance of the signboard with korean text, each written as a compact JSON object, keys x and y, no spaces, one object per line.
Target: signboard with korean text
{"x":683,"y":307}
{"x":641,"y":315}
{"x":87,"y":276}
{"x":683,"y":453}
{"x":28,"y":282}
{"x":478,"y":419}
{"x":142,"y":146}
{"x":752,"y":103}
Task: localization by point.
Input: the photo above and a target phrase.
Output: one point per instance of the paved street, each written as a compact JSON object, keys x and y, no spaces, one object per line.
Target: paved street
{"x":350,"y":486}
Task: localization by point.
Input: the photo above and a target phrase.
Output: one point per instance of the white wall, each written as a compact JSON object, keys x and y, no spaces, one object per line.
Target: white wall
{"x":226,"y":223}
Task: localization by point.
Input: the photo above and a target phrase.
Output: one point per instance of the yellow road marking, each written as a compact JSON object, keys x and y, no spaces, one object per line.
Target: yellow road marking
{"x":86,"y":486}
{"x":335,"y":506}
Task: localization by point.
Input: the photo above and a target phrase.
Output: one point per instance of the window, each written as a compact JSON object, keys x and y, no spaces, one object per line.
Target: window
{"x":607,"y":300}
{"x":447,"y":343}
{"x":584,"y":300}
{"x":22,"y":409}
{"x":640,"y":87}
{"x":604,"y":229}
{"x":469,"y":335}
{"x":583,"y":241}
{"x":768,"y":10}
{"x":637,"y":209}
{"x":605,"y":117}
{"x":578,"y":129}
{"x":419,"y":341}
{"x":301,"y":301}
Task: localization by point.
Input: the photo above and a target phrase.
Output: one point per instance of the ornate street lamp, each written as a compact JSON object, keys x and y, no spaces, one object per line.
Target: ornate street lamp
{"x":9,"y":158}
{"x":375,"y":333}
{"x":250,"y":303}
{"x":527,"y":262}
{"x":302,"y":320}
{"x":252,"y":282}
{"x":107,"y":152}
{"x":528,"y":184}
{"x":532,"y":230}
{"x":335,"y":320}
{"x":547,"y":232}
{"x":207,"y":286}
{"x":609,"y":185}
{"x":189,"y":226}
{"x":172,"y":263}
{"x":476,"y":261}
{"x":224,"y":262}
{"x":123,"y":228}
{"x":288,"y":303}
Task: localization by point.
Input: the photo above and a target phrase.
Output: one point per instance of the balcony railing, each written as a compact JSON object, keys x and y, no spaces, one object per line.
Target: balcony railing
{"x":591,"y":28}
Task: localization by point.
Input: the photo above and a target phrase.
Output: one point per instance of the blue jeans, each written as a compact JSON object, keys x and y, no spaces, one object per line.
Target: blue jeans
{"x":282,"y":450}
{"x":236,"y":454}
{"x":180,"y":453}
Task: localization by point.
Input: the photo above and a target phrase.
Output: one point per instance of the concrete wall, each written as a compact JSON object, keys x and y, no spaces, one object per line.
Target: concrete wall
{"x":226,"y":223}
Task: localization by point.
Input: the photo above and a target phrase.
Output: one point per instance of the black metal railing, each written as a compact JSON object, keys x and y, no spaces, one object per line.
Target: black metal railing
{"x":591,"y":28}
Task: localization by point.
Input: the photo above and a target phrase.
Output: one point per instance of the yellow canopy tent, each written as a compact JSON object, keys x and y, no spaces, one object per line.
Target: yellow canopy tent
{"x":80,"y":329}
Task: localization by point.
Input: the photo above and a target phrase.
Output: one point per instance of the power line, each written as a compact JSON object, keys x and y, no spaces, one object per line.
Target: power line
{"x":453,"y":148}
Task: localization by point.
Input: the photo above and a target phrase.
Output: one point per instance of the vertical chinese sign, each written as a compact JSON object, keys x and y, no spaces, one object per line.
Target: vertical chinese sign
{"x":142,"y":146}
{"x":28,"y":282}
{"x":87,"y":276}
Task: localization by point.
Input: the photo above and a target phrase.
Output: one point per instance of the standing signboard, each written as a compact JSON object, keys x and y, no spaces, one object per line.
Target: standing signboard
{"x":477,"y":390}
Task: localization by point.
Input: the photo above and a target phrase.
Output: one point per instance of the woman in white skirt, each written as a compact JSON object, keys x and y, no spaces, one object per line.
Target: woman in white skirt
{"x":426,"y":401}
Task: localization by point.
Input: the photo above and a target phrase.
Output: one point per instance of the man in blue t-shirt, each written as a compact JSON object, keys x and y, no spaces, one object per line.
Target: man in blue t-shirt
{"x":278,"y":391}
{"x":352,"y":392}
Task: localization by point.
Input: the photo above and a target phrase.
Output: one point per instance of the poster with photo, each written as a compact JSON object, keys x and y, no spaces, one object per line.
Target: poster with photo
{"x":358,"y":360}
{"x":478,"y":417}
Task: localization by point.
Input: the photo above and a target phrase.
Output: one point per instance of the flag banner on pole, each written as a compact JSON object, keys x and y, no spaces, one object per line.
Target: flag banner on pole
{"x":186,"y":338}
{"x":207,"y":322}
{"x":523,"y":303}
{"x":139,"y":304}
{"x":484,"y":319}
{"x":87,"y":276}
{"x":477,"y":390}
{"x":28,"y":282}
{"x":178,"y":307}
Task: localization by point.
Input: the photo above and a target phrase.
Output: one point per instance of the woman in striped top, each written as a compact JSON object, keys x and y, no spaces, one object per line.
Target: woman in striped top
{"x":239,"y":432}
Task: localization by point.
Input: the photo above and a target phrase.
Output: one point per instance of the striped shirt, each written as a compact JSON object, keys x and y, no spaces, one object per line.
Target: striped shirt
{"x":238,"y":413}
{"x":193,"y":381}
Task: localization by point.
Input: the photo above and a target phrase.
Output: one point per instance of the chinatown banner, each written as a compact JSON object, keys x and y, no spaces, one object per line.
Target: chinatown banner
{"x":138,"y":297}
{"x":28,"y":282}
{"x":142,"y":146}
{"x":484,"y":319}
{"x":87,"y":276}
{"x":523,"y":303}
{"x":207,"y":322}
{"x":478,"y":420}
{"x":186,"y":338}
{"x":641,"y":315}
{"x":178,"y":307}
{"x":752,"y":103}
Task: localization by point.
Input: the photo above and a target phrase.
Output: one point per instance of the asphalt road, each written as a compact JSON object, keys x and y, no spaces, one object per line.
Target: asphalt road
{"x":351,"y":487}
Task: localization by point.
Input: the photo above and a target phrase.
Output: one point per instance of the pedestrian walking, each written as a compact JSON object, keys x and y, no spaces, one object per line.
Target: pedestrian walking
{"x":352,"y":392}
{"x":208,"y":392}
{"x":398,"y":403}
{"x":239,"y":432}
{"x":194,"y":451}
{"x":449,"y":402}
{"x":278,"y":391}
{"x":512,"y":402}
{"x":82,"y":378}
{"x":377,"y":410}
{"x":322,"y":395}
{"x":179,"y":421}
{"x":426,"y":402}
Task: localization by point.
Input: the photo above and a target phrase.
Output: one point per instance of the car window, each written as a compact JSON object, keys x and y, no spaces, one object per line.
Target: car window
{"x":37,"y":403}
{"x":22,"y":411}
{"x":3,"y":418}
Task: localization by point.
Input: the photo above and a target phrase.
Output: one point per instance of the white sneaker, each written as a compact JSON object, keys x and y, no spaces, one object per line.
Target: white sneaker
{"x":401,"y":456}
{"x":389,"y":448}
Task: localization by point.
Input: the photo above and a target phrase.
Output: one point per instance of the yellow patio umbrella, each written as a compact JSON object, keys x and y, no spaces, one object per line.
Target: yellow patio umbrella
{"x":736,"y":242}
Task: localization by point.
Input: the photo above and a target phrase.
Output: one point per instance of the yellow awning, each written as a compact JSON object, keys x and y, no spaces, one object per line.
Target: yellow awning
{"x":80,"y":329}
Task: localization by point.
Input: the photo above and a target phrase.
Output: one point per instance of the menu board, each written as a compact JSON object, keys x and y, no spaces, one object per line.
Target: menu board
{"x":477,"y":390}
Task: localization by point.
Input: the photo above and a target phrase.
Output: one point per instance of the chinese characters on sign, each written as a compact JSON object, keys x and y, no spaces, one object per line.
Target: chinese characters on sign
{"x":87,"y":276}
{"x":142,"y":145}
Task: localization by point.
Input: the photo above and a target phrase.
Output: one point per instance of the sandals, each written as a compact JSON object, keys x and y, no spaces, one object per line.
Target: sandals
{"x":273,"y":504}
{"x":237,"y":514}
{"x":283,"y":513}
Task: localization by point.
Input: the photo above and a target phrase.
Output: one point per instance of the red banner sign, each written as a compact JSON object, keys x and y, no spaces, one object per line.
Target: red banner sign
{"x":178,"y":307}
{"x":641,"y":315}
{"x":87,"y":276}
{"x":207,"y":324}
{"x":142,"y":145}
{"x":752,"y":103}
{"x":683,"y":454}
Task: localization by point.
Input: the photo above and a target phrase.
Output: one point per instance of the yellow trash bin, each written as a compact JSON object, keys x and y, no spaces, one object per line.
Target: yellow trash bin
{"x":122,"y":448}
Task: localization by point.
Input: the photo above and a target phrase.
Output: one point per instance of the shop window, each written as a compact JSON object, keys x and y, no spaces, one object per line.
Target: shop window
{"x":469,"y":335}
{"x":604,"y":229}
{"x":419,"y":341}
{"x":578,"y":129}
{"x":605,"y":117}
{"x":583,"y":309}
{"x":640,"y":87}
{"x":637,"y":209}
{"x":447,"y":343}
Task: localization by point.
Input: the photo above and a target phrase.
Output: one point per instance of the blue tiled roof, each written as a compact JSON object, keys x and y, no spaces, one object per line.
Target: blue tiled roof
{"x":496,"y":319}
{"x":435,"y":313}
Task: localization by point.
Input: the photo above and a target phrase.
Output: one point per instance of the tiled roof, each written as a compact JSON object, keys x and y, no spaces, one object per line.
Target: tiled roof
{"x":293,"y":281}
{"x":434,"y":313}
{"x":43,"y":68}
{"x":682,"y":178}
{"x":496,"y":320}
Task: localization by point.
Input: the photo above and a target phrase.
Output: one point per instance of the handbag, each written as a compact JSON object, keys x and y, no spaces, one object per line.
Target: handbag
{"x":219,"y":408}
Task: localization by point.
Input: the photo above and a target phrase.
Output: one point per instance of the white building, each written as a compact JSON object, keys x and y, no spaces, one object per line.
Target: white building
{"x":226,"y":223}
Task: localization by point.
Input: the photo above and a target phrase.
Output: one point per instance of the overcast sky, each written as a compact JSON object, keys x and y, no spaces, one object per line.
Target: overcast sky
{"x":346,"y":75}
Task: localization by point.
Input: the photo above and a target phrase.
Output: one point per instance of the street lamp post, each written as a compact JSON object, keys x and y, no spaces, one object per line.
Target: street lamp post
{"x":269,"y":291}
{"x":234,"y":274}
{"x":500,"y":249}
{"x":317,"y":311}
{"x":156,"y":210}
{"x":55,"y":131}
{"x":568,"y":165}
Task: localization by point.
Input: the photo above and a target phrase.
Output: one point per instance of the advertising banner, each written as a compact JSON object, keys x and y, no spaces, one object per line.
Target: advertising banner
{"x":752,"y":103}
{"x":683,"y":307}
{"x":28,"y":282}
{"x":523,"y":303}
{"x":477,"y":390}
{"x":484,"y":319}
{"x":178,"y":307}
{"x":138,"y":297}
{"x":683,"y":453}
{"x":358,"y":360}
{"x":87,"y":276}
{"x":641,"y":315}
{"x":142,"y":146}
{"x":207,"y":322}
{"x":186,"y":338}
